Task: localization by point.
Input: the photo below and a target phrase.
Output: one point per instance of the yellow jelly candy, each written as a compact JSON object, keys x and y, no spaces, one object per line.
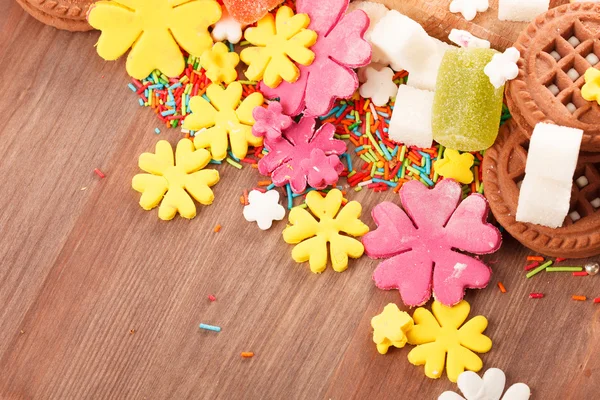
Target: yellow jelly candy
{"x":591,"y":90}
{"x":277,"y":39}
{"x":154,"y":30}
{"x":312,"y":235}
{"x":440,"y":340}
{"x":220,"y":64}
{"x":390,"y":327}
{"x":173,"y":182}
{"x":224,"y":117}
{"x":455,"y":166}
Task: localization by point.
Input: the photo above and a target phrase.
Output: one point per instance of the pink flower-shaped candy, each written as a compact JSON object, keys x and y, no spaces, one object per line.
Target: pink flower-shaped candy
{"x":303,"y":156}
{"x":270,"y":122}
{"x":420,"y":246}
{"x":340,"y":47}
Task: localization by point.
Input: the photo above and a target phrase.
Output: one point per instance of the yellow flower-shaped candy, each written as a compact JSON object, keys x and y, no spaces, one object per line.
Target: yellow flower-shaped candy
{"x":390,"y":327}
{"x":312,"y":235}
{"x":154,"y":30}
{"x":173,"y":182}
{"x":222,"y":118}
{"x":591,"y":90}
{"x":220,"y":63}
{"x":277,"y":39}
{"x":455,"y":166}
{"x":443,"y":335}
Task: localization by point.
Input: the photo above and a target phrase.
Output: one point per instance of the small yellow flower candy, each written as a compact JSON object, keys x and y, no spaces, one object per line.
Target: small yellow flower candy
{"x":441,"y":340}
{"x":224,"y":117}
{"x":591,"y":90}
{"x":220,"y":64}
{"x":154,"y":30}
{"x":277,"y":39}
{"x":312,"y":235}
{"x":172,"y":182}
{"x":390,"y":327}
{"x":455,"y":166}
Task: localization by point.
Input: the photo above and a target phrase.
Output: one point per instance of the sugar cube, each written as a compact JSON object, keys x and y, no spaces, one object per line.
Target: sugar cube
{"x":573,"y":74}
{"x":596,"y":202}
{"x":554,"y":89}
{"x":572,"y":108}
{"x":575,"y":216}
{"x":592,"y":59}
{"x":375,"y":12}
{"x":411,"y":119}
{"x":582,"y":181}
{"x":573,"y":41}
{"x":555,"y":55}
{"x":425,"y":77}
{"x":519,"y":10}
{"x":543,"y":201}
{"x":553,"y":152}
{"x":403,"y":41}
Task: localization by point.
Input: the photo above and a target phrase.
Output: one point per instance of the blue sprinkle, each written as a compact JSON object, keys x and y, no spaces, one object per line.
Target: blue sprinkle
{"x":232,"y":156}
{"x":271,"y":186}
{"x":205,"y":97}
{"x":215,"y":162}
{"x":175,"y":86}
{"x":395,"y":151}
{"x":349,"y":162}
{"x":141,"y":102}
{"x":389,"y":183}
{"x":167,"y":113}
{"x":288,"y":188}
{"x":157,"y":131}
{"x":426,"y":179}
{"x":133,"y":88}
{"x":210,"y":327}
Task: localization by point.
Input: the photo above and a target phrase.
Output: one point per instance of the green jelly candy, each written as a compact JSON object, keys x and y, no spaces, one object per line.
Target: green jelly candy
{"x":466,"y":106}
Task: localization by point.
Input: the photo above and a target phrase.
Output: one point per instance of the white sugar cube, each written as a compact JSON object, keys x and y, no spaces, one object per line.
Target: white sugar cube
{"x":375,"y":12}
{"x":596,"y":202}
{"x":592,"y":59}
{"x":555,"y":55}
{"x":519,"y":10}
{"x":403,"y":41}
{"x":572,"y":108}
{"x":411,"y":119}
{"x":573,"y":41}
{"x":573,"y":74}
{"x":575,"y":216}
{"x":553,"y":152}
{"x":582,"y":181}
{"x":552,"y":88}
{"x":543,"y":201}
{"x":425,"y":78}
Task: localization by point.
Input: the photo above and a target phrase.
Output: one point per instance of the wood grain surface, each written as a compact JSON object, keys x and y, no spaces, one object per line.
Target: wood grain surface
{"x":82,"y":265}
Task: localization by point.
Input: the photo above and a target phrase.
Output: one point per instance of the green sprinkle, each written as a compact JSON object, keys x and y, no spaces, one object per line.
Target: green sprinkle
{"x":235,"y":164}
{"x":539,"y":269}
{"x":564,"y":269}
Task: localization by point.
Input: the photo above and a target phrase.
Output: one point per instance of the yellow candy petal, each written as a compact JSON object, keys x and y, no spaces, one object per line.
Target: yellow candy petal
{"x":190,"y":159}
{"x":189,"y":23}
{"x":426,"y":327}
{"x":155,"y":49}
{"x":430,"y":354}
{"x":215,"y":139}
{"x":176,"y":200}
{"x":327,"y":206}
{"x":348,"y":220}
{"x":203,"y":114}
{"x":451,"y":317}
{"x":313,"y":250}
{"x":471,"y":335}
{"x":343,"y":247}
{"x":158,"y":163}
{"x":244,"y":111}
{"x":198,"y":185}
{"x":152,"y":187}
{"x":119,"y":27}
{"x":303,"y":226}
{"x":461,"y":359}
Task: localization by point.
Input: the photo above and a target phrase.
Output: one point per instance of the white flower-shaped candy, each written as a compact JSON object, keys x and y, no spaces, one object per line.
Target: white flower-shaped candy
{"x":489,"y":388}
{"x":264,"y":208}
{"x":379,"y":86}
{"x":467,"y":40}
{"x":227,"y":29}
{"x":503,"y":67}
{"x":469,"y":8}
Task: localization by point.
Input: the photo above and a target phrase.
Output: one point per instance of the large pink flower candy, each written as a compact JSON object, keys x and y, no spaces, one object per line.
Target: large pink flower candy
{"x":339,"y":48}
{"x":420,"y":245}
{"x":304,"y":156}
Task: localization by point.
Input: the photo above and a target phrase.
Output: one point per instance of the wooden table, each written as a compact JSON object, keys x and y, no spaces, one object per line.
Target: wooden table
{"x":101,"y":300}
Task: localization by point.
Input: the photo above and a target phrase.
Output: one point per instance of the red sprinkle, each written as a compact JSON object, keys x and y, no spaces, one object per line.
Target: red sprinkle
{"x":99,"y":173}
{"x":597,"y":300}
{"x":532,"y":266}
{"x":211,"y":297}
{"x":581,"y":273}
{"x":536,"y":295}
{"x":560,"y":259}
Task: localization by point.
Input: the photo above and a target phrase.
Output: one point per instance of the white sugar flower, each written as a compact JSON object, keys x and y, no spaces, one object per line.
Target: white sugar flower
{"x":264,"y":208}
{"x":379,"y":86}
{"x":227,"y":29}
{"x":489,"y":388}
{"x":469,"y":8}
{"x":503,"y":67}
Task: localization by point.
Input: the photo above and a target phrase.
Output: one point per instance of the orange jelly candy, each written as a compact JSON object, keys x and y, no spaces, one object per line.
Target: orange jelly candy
{"x":249,"y":11}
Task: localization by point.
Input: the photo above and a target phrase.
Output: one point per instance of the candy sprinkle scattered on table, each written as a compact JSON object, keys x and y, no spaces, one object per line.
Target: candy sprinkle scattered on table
{"x":210,"y":327}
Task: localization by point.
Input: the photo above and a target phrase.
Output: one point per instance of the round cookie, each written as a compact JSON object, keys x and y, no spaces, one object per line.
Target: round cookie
{"x":556,"y":50}
{"x":504,"y":169}
{"x":69,"y":15}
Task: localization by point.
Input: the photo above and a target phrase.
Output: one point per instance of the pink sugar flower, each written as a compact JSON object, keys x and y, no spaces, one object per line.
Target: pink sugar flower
{"x":270,"y":122}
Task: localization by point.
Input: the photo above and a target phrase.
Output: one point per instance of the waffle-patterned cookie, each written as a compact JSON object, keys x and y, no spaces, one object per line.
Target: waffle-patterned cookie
{"x":556,"y":50}
{"x":504,"y":170}
{"x":68,"y":15}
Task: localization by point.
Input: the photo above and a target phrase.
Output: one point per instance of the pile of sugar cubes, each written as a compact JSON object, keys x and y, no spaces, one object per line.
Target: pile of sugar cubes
{"x":545,"y":193}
